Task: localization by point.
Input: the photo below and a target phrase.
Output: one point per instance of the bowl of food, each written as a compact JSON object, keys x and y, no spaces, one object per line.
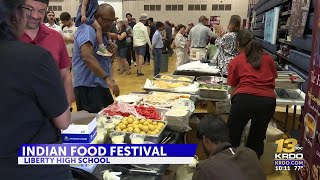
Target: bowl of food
{"x":137,"y":138}
{"x":117,"y":137}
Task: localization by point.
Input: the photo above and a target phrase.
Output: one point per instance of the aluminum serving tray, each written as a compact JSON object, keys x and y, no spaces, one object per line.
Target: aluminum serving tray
{"x":283,"y":80}
{"x":146,"y":135}
{"x":162,"y":106}
{"x":213,"y":93}
{"x":150,"y":89}
{"x":211,"y":80}
{"x":175,"y":78}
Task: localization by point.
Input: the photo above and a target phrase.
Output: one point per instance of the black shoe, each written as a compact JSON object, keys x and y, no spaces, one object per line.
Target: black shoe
{"x":140,"y":74}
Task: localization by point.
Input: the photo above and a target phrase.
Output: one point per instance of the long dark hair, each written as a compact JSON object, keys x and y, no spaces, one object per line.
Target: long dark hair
{"x":252,"y":48}
{"x":234,"y":23}
{"x":10,"y":11}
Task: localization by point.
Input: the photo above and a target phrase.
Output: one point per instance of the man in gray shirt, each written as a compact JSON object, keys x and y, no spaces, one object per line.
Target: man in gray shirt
{"x":198,"y":38}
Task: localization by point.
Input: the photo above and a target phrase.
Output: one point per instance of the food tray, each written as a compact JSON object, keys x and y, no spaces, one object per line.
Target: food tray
{"x":285,"y":81}
{"x":146,"y":135}
{"x":175,"y":78}
{"x":166,"y":104}
{"x":213,"y":93}
{"x":211,"y":80}
{"x":166,"y":90}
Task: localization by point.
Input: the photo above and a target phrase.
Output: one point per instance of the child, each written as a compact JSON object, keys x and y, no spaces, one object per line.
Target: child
{"x":211,"y":49}
{"x":85,"y":15}
{"x":157,"y":46}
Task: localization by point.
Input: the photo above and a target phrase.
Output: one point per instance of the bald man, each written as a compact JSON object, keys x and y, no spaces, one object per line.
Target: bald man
{"x":92,"y":73}
{"x":199,"y":37}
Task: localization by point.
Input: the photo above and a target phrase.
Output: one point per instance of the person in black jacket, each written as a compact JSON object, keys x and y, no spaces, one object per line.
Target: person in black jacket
{"x":34,"y":105}
{"x":224,"y":161}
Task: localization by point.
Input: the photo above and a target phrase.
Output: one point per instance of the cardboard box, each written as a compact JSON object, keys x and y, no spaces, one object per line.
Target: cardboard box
{"x":80,"y":131}
{"x":219,"y":108}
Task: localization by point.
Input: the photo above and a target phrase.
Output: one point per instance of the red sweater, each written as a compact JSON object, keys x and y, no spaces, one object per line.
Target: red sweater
{"x":248,"y":80}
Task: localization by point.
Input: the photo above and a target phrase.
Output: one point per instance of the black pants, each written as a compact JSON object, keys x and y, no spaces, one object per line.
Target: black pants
{"x":168,"y":46}
{"x":245,"y":107}
{"x":92,"y":99}
{"x":147,"y":54}
{"x":130,"y":53}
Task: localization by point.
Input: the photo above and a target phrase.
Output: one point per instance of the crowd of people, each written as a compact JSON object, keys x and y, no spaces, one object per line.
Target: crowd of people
{"x":38,"y":84}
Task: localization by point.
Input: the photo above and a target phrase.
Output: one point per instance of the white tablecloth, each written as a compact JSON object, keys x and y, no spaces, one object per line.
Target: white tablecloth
{"x":296,"y":97}
{"x":198,"y":67}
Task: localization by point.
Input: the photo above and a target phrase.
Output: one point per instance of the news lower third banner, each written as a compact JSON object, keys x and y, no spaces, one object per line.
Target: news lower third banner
{"x":32,"y":154}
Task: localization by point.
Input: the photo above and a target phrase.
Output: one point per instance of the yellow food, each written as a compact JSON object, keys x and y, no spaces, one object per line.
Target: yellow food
{"x":160,"y":124}
{"x":145,"y":128}
{"x":136,"y":130}
{"x":169,"y":85}
{"x":135,"y":122}
{"x":130,"y":129}
{"x":142,"y":121}
{"x":130,"y":120}
{"x":183,"y":79}
{"x":131,"y":116}
{"x":166,"y":77}
{"x":123,"y":126}
{"x":151,"y":127}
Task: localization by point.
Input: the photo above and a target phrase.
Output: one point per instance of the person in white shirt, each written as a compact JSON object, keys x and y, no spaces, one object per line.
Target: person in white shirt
{"x":140,"y":39}
{"x":68,"y":31}
{"x":180,"y":43}
{"x":51,"y":22}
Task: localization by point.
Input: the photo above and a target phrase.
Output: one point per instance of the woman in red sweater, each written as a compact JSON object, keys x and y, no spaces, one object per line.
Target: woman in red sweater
{"x":251,"y":76}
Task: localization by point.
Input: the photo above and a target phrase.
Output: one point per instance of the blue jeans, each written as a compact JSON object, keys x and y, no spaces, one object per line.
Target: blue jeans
{"x":158,"y":53}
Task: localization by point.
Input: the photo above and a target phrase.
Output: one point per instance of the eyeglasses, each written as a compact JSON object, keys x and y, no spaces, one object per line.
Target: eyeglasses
{"x":106,"y":19}
{"x":30,"y":11}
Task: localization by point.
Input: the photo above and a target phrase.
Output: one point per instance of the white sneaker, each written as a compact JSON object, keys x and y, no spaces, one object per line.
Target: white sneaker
{"x":134,"y":63}
{"x":102,"y":51}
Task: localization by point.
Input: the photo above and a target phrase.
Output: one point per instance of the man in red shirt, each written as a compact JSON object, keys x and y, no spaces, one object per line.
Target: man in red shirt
{"x":37,"y":33}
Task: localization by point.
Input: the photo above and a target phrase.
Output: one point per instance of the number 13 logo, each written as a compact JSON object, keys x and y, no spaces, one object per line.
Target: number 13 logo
{"x":289,"y":144}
